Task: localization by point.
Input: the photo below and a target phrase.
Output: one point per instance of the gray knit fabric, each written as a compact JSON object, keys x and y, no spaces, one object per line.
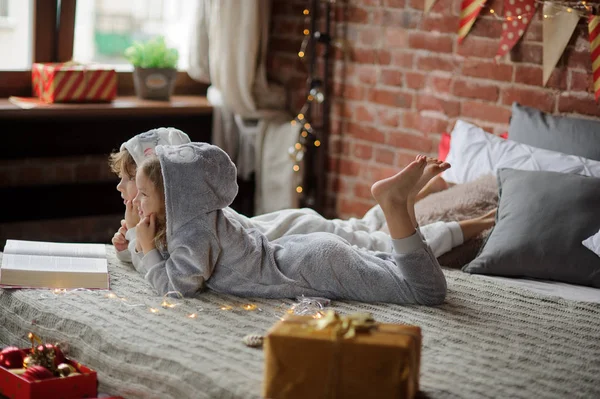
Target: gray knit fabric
{"x":489,"y":339}
{"x":207,"y":247}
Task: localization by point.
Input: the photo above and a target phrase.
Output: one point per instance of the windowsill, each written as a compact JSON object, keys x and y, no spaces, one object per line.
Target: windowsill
{"x":121,"y":106}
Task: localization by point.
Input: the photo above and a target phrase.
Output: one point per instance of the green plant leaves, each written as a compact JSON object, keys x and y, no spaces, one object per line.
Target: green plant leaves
{"x":153,"y":53}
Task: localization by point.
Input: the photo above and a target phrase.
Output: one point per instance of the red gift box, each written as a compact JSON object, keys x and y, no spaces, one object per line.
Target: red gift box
{"x":78,"y":386}
{"x":73,"y":82}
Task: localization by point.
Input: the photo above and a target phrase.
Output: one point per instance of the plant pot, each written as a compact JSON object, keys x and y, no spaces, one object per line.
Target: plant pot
{"x":154,"y":83}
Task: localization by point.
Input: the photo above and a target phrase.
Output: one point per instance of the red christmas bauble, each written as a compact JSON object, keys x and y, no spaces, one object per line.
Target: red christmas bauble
{"x":35,"y":373}
{"x":12,"y":357}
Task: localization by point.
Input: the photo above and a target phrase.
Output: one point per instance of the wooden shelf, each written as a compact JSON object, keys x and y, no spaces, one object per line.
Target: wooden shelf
{"x":121,"y":106}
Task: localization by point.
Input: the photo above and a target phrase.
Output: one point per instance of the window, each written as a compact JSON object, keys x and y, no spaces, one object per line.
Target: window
{"x":16,"y":33}
{"x":105,"y":28}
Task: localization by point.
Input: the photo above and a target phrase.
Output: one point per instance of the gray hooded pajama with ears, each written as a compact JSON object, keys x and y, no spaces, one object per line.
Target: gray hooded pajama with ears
{"x":206,"y":247}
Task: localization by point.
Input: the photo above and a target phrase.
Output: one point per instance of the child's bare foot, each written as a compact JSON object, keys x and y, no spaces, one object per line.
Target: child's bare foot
{"x":395,"y":191}
{"x":433,"y":168}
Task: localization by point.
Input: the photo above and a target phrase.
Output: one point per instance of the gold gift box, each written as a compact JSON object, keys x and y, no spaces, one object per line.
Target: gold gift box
{"x":310,"y":358}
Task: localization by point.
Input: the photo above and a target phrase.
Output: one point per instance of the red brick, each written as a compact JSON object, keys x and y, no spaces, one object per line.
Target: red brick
{"x":362,"y":190}
{"x":490,"y":28}
{"x":365,"y":133}
{"x":384,"y":156}
{"x":357,"y":15}
{"x":352,"y":208}
{"x":578,"y":60}
{"x":529,"y":75}
{"x":436,"y":63}
{"x":362,"y":151}
{"x":363,"y":114}
{"x":384,"y":57}
{"x":439,"y":7}
{"x":531,"y":53}
{"x":443,"y":23}
{"x":478,"y":47}
{"x":487,"y":70}
{"x":391,"y":77}
{"x":579,"y":105}
{"x":343,"y":109}
{"x":440,"y":84}
{"x":389,"y":117}
{"x":581,"y":81}
{"x":394,"y":3}
{"x":367,"y":74}
{"x":391,"y":98}
{"x":370,"y":36}
{"x":396,"y":37}
{"x":403,"y":59}
{"x":558,"y":79}
{"x":363,"y":56}
{"x":415,"y":80}
{"x":376,"y":172}
{"x":410,"y":141}
{"x":400,"y":18}
{"x":534,"y":32}
{"x":471,"y":89}
{"x":424,"y":124}
{"x":428,"y":102}
{"x":349,"y":92}
{"x":348,"y":168}
{"x":485,"y":112}
{"x":371,"y":3}
{"x":404,"y":158}
{"x":538,"y":98}
{"x":430,"y":41}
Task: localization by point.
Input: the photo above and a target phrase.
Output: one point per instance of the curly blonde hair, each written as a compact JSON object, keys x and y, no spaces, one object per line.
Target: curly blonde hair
{"x":151,"y":168}
{"x":122,"y":160}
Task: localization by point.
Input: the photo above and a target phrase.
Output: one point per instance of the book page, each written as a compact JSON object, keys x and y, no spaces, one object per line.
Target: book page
{"x":29,"y":263}
{"x":55,"y":249}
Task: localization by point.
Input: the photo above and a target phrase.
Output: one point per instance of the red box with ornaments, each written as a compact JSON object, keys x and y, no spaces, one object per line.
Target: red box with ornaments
{"x":38,"y":382}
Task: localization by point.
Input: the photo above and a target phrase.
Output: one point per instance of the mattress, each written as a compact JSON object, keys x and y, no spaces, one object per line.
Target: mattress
{"x":489,"y":338}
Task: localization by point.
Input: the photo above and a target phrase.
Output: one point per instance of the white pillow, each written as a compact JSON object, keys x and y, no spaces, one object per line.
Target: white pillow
{"x":474,"y":153}
{"x":593,"y":243}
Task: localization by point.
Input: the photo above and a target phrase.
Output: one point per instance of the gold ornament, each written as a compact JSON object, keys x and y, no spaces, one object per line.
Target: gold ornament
{"x":65,"y":369}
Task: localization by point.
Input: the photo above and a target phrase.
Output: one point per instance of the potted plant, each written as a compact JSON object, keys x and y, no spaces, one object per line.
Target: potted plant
{"x":155,"y":68}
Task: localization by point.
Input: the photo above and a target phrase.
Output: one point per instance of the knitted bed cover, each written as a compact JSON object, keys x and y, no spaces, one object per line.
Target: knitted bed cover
{"x":489,"y":339}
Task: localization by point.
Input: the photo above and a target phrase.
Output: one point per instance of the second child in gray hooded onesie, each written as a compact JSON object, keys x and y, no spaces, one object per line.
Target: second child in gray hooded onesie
{"x":205,"y":247}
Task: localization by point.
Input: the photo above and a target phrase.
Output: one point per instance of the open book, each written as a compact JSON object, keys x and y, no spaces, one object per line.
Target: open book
{"x":38,"y":264}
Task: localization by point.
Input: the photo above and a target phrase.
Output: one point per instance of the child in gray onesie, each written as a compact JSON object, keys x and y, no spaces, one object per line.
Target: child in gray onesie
{"x":188,"y":241}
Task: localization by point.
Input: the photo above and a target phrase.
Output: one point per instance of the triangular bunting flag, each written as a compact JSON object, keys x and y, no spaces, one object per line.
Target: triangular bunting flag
{"x":594,"y":29}
{"x":429,"y":4}
{"x":518,"y":15}
{"x":469,"y":10}
{"x":557,"y":32}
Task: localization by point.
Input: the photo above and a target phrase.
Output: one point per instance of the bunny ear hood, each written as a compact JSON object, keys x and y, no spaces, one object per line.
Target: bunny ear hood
{"x":143,"y":145}
{"x":198,"y":178}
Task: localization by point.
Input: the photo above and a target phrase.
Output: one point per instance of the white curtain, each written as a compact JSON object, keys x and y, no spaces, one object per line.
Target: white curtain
{"x":229,"y":48}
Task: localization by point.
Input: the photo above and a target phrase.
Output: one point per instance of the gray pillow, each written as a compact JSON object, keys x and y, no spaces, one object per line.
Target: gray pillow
{"x":575,"y":136}
{"x":542,"y":219}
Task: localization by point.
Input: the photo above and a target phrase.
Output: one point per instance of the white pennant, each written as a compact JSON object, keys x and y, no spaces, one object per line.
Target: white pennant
{"x":429,"y":4}
{"x":558,"y":29}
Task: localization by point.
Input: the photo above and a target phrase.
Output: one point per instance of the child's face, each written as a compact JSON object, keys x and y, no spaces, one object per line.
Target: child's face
{"x":127,"y":186}
{"x":148,"y":199}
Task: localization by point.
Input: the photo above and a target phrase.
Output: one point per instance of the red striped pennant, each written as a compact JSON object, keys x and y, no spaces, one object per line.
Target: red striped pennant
{"x":594,"y":30}
{"x":469,"y":10}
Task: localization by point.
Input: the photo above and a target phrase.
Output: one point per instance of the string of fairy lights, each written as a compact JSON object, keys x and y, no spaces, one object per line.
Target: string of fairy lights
{"x":582,"y":8}
{"x":315,"y":94}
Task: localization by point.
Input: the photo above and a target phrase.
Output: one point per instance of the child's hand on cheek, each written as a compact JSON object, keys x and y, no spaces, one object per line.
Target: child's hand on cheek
{"x":131,"y":216}
{"x":146,"y":231}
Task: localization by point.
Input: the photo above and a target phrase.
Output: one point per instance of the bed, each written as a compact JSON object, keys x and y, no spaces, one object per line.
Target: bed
{"x":510,"y":336}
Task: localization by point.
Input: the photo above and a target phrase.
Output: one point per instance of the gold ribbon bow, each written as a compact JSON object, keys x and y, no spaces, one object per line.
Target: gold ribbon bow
{"x":345,"y":326}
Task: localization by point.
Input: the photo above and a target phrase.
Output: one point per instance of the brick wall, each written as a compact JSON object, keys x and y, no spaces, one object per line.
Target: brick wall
{"x":403,"y":79}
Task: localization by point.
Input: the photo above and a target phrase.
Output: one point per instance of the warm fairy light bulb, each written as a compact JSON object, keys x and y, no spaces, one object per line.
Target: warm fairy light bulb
{"x":545,"y":16}
{"x":519,"y":17}
{"x":300,"y":54}
{"x":153,"y":310}
{"x":492,"y":11}
{"x":509,"y":18}
{"x":298,"y":146}
{"x":569,"y":9}
{"x":111,"y":295}
{"x":310,"y":97}
{"x":305,"y":12}
{"x":299,"y":189}
{"x":226,"y":307}
{"x":304,"y":133}
{"x":296,"y":168}
{"x":300,"y":116}
{"x":317,"y":143}
{"x":307,"y":125}
{"x":293,"y":123}
{"x":306,"y":32}
{"x":192,"y":316}
{"x":249,"y":306}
